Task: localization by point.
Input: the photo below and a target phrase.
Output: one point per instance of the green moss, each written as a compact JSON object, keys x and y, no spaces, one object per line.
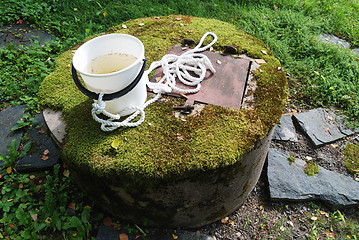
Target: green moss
{"x":351,"y":152}
{"x":311,"y":168}
{"x":291,"y":160}
{"x":217,"y":138}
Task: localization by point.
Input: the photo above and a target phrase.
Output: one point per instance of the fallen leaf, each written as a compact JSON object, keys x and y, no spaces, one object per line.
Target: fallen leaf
{"x":44,"y":158}
{"x":34,"y":216}
{"x":107,"y":221}
{"x":314,"y":218}
{"x":46,"y":152}
{"x":264,"y":52}
{"x":124,"y":26}
{"x":66,"y":173}
{"x":68,"y":66}
{"x":174,"y":236}
{"x":48,"y":220}
{"x":260,"y":61}
{"x":137,"y":236}
{"x":32,"y":177}
{"x":329,"y":234}
{"x":87,"y":207}
{"x":224,"y":220}
{"x":178,"y":19}
{"x":8,"y":170}
{"x":123,"y":236}
{"x":72,"y":206}
{"x":115,"y":143}
{"x":282,"y":228}
{"x":11,"y":225}
{"x":21,"y":185}
{"x":219,"y":62}
{"x":42,"y":130}
{"x":104,"y":14}
{"x":260,"y":207}
{"x":324,"y":213}
{"x":10,"y":200}
{"x":141,"y":24}
{"x":231,"y":223}
{"x":75,"y":234}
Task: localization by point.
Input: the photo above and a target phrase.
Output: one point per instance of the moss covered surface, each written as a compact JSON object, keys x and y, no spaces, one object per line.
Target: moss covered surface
{"x":168,"y":146}
{"x":351,"y":152}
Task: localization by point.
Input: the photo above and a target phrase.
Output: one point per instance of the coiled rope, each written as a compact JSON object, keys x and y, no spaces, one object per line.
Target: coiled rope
{"x":173,"y":66}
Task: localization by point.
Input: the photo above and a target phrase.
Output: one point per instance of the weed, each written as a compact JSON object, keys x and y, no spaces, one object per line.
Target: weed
{"x":14,"y":155}
{"x":311,"y":168}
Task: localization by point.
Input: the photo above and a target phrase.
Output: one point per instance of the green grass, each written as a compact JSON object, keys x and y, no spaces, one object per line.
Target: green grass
{"x":319,"y":75}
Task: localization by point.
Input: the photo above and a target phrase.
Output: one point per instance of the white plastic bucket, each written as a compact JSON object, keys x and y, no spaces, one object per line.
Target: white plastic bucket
{"x":114,"y":81}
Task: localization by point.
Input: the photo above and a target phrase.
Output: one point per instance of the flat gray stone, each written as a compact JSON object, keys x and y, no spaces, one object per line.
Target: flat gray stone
{"x":22,"y":34}
{"x":285,"y":130}
{"x":320,"y":126}
{"x":56,"y":125}
{"x":328,"y":38}
{"x":355,"y":51}
{"x":36,"y":160}
{"x":8,"y":119}
{"x":290,"y":182}
{"x":107,"y":233}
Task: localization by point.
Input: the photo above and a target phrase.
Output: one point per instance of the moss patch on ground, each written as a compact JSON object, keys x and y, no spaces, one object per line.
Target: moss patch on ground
{"x":311,"y":168}
{"x":351,"y":152}
{"x":167,"y":147}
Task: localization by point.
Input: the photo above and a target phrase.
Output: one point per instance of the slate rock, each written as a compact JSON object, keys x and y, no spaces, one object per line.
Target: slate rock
{"x":285,"y":130}
{"x":355,"y":51}
{"x":8,"y":119}
{"x":36,"y":160}
{"x":23,"y":34}
{"x":107,"y":233}
{"x":290,"y":182}
{"x":328,"y":38}
{"x":320,"y":126}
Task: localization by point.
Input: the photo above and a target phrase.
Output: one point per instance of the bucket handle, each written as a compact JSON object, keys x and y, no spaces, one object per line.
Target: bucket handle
{"x":107,"y":97}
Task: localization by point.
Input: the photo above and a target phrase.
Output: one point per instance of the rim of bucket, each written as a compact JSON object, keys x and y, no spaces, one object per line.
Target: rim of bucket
{"x":112,"y":73}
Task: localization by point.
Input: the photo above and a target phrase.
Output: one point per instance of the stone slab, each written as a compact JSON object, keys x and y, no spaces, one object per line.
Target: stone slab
{"x":355,"y":51}
{"x":285,"y":130}
{"x":320,"y":126}
{"x":8,"y":119}
{"x":328,"y":38}
{"x":290,"y":182}
{"x":22,"y":34}
{"x":107,"y":233}
{"x":36,"y":159}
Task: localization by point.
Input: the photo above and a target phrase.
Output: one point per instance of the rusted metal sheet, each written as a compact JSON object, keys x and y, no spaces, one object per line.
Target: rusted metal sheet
{"x":224,"y":88}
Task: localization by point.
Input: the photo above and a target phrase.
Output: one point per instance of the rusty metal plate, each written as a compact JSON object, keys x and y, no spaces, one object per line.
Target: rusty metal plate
{"x":225,"y":88}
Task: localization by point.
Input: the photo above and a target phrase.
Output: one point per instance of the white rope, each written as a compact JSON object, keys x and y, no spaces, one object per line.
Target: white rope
{"x":173,"y":66}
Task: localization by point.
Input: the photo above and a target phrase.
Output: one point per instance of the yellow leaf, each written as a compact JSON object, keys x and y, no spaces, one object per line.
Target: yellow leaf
{"x":174,"y":236}
{"x":104,"y":14}
{"x":75,"y":234}
{"x":8,"y":170}
{"x":21,"y":185}
{"x":48,"y":220}
{"x":87,"y":207}
{"x":66,"y":173}
{"x":115,"y":143}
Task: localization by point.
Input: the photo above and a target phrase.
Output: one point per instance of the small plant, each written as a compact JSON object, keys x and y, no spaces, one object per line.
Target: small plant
{"x":14,"y":155}
{"x":26,"y":121}
{"x":311,"y":168}
{"x":291,"y":160}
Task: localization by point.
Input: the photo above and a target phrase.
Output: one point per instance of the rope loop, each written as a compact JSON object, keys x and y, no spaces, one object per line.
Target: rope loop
{"x":173,"y":67}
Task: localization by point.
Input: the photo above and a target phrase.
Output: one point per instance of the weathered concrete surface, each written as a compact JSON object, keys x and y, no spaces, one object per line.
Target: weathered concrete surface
{"x":320,"y":126}
{"x":8,"y":119}
{"x":285,"y":130}
{"x":290,"y":182}
{"x":328,"y":38}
